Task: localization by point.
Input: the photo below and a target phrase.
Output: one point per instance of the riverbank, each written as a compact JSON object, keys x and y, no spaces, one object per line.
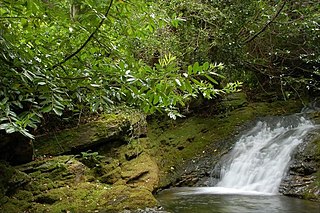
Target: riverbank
{"x":130,"y":159}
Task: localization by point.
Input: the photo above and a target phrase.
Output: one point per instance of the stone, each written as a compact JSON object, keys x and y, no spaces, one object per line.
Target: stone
{"x":141,"y":172}
{"x":303,"y":177}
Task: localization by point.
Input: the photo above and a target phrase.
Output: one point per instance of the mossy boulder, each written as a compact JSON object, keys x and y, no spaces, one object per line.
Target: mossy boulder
{"x":82,"y":138}
{"x":86,"y":197}
{"x":64,"y":184}
{"x":11,"y":179}
{"x":109,"y":130}
{"x":141,"y":172}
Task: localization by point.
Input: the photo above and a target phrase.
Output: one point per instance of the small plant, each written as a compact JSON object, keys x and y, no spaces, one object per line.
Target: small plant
{"x":91,"y":159}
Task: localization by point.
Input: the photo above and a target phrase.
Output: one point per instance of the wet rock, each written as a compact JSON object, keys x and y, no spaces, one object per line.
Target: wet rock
{"x":302,"y":179}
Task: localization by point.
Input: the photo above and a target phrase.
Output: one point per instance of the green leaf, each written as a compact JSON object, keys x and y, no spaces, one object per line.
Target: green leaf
{"x":4,"y":126}
{"x":4,"y":101}
{"x":196,"y":67}
{"x":108,"y":100}
{"x":47,"y":109}
{"x":57,"y":111}
{"x":188,"y":86}
{"x":146,"y":108}
{"x":190,"y":69}
{"x":156,"y":99}
{"x":206,"y":66}
{"x":27,"y":134}
{"x":211,"y":79}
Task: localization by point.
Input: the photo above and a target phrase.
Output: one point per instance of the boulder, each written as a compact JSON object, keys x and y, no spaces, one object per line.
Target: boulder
{"x":109,"y":131}
{"x":303,"y":177}
{"x":141,"y":172}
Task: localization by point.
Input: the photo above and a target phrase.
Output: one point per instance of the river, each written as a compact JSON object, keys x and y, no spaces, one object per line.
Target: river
{"x":190,"y":200}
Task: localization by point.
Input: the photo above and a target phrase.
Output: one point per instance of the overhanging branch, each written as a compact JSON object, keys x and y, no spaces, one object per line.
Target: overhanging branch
{"x":267,"y":24}
{"x":86,"y":42}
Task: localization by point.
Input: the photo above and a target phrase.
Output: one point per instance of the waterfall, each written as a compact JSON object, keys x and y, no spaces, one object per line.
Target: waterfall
{"x":260,"y":158}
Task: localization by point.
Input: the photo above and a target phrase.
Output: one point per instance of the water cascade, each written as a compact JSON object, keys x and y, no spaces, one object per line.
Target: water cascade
{"x":260,"y":158}
{"x":255,"y":166}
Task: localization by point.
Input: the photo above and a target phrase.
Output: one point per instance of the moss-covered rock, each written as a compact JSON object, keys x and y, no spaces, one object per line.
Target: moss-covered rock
{"x":110,"y":130}
{"x":82,"y":138}
{"x":11,"y":179}
{"x":141,"y":172}
{"x":115,"y":177}
{"x":64,"y":184}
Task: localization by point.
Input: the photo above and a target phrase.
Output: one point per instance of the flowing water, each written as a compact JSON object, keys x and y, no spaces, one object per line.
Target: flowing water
{"x":250,"y":174}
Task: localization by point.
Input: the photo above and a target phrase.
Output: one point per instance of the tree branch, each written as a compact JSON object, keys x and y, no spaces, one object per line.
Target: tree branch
{"x":267,"y":24}
{"x":86,"y":42}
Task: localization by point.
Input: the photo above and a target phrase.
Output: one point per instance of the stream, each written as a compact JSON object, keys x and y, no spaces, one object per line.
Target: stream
{"x":247,"y":179}
{"x":189,"y":200}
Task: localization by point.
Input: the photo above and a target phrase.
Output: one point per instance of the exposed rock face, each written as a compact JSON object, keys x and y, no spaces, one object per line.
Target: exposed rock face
{"x":303,"y":178}
{"x":65,"y":184}
{"x":72,"y":141}
{"x":120,"y":177}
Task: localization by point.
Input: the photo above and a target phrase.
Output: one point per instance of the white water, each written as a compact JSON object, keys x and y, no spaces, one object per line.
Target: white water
{"x":260,"y":158}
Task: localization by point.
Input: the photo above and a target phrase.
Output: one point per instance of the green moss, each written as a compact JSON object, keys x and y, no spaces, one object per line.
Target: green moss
{"x":14,"y":205}
{"x":91,"y":133}
{"x":24,"y":195}
{"x":91,"y":197}
{"x":108,"y":127}
{"x":82,"y":198}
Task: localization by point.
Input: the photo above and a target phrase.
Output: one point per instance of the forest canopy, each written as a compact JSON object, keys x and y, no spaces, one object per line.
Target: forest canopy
{"x":73,"y":57}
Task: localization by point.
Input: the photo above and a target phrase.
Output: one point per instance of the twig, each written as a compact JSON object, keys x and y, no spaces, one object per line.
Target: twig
{"x":267,"y":24}
{"x":86,"y":42}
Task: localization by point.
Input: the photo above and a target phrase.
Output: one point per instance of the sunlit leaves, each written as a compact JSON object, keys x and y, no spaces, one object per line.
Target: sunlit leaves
{"x":113,"y":68}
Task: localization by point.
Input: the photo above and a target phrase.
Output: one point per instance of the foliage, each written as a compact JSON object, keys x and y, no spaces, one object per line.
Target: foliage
{"x":91,"y":159}
{"x":74,"y":57}
{"x":272,"y":45}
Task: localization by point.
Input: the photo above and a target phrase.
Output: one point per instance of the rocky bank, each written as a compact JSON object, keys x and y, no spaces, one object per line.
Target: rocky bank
{"x":118,"y":162}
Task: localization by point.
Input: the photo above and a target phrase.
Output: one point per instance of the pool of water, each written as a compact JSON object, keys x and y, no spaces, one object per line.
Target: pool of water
{"x":204,"y":200}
